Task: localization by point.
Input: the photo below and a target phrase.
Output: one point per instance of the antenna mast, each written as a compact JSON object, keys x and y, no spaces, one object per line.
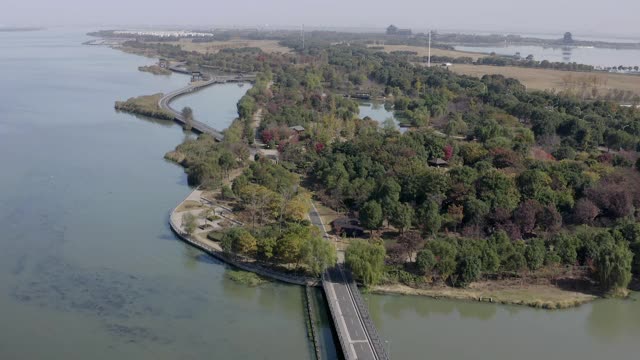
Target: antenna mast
{"x":302,"y":37}
{"x":429,"y":61}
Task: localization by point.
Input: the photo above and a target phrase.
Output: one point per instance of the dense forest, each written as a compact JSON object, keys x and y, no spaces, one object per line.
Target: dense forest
{"x":526,"y":180}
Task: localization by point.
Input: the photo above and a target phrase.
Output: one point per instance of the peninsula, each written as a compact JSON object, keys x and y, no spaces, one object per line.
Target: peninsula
{"x":496,"y":193}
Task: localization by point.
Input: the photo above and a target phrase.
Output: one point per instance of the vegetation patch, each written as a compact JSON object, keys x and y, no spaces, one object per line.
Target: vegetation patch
{"x":146,"y":105}
{"x":155,"y":70}
{"x":245,"y":278}
{"x":189,"y":205}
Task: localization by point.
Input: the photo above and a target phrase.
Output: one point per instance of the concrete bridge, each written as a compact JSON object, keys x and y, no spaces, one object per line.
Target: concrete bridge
{"x":197,"y":126}
{"x":358,"y":336}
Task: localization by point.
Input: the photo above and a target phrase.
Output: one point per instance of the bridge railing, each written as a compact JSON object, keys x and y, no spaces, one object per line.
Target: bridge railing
{"x":370,"y":327}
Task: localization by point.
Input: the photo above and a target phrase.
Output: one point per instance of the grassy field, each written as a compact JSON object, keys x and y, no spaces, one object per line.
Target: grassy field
{"x":269,"y":46}
{"x":423,"y":51}
{"x":544,"y":79}
{"x":538,"y":296}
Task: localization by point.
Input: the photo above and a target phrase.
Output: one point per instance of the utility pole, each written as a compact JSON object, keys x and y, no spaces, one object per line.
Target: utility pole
{"x":429,"y":60}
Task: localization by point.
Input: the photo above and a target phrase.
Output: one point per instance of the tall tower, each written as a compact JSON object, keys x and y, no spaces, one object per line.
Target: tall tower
{"x":429,"y":59}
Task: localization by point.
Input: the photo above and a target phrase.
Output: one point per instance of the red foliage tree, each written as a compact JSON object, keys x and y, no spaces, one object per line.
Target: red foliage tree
{"x":448,"y":152}
{"x":503,"y":158}
{"x":585,"y":212}
{"x":267,"y":136}
{"x":549,"y":219}
{"x":526,"y":215}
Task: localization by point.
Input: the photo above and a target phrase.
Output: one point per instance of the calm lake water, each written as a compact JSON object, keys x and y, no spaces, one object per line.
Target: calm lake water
{"x":588,"y":56}
{"x":208,"y":107}
{"x":90,"y":269}
{"x":377,"y":111}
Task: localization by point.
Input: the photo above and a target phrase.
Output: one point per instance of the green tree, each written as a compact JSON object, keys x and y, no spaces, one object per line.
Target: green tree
{"x":371,"y":215}
{"x":402,"y":216}
{"x":567,"y":248}
{"x":535,"y":253}
{"x":189,"y":223}
{"x":366,"y":261}
{"x":245,"y":243}
{"x":187,"y":115}
{"x":429,"y":218}
{"x":445,"y":253}
{"x":468,"y":270}
{"x":319,"y":255}
{"x":425,"y":260}
{"x":613,"y":264}
{"x":226,"y":161}
{"x":227,"y":193}
{"x":499,"y":190}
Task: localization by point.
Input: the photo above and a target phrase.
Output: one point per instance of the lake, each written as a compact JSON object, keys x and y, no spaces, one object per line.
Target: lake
{"x":589,"y":56}
{"x":90,"y":269}
{"x":377,"y":111}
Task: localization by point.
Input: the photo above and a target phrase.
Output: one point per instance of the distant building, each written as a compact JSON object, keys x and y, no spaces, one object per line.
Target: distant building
{"x":568,"y":38}
{"x":438,"y":162}
{"x":349,"y":227}
{"x":393,"y":30}
{"x":196,"y":76}
{"x":298,"y":129}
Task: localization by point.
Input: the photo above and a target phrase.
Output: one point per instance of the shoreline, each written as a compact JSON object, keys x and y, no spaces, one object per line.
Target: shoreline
{"x":214,"y":250}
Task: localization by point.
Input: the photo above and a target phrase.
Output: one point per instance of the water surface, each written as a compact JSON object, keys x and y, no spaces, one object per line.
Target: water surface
{"x":89,"y":267}
{"x":589,"y":56}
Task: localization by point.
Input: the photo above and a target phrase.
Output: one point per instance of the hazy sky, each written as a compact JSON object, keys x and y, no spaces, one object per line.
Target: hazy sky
{"x":579,"y":16}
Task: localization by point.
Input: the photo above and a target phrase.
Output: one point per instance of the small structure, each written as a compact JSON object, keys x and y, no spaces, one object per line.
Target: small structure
{"x":362,"y":96}
{"x":349,"y":227}
{"x":196,"y":76}
{"x":393,"y":30}
{"x":163,"y":63}
{"x":438,"y":162}
{"x":298,"y":129}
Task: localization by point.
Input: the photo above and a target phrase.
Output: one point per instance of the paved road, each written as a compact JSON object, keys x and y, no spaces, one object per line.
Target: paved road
{"x":358,"y":337}
{"x":354,"y":339}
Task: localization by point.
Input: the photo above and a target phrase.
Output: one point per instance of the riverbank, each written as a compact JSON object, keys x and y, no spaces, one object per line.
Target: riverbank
{"x":536,"y":296}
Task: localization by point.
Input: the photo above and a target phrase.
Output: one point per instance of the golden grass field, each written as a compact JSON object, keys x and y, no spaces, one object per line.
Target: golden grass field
{"x":269,"y":46}
{"x":423,"y":51}
{"x":545,"y":79}
{"x":535,"y":79}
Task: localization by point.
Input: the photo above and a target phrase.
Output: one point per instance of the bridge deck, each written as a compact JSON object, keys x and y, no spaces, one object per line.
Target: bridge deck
{"x":197,"y":126}
{"x":357,"y":334}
